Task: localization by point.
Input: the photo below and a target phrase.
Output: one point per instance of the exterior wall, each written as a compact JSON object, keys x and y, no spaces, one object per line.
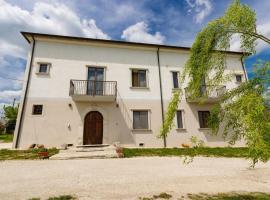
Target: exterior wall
{"x":61,"y":123}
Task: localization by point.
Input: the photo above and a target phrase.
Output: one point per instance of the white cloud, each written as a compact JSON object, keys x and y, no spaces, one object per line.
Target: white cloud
{"x":139,"y":32}
{"x":201,"y":8}
{"x":7,"y":95}
{"x":263,"y":29}
{"x":53,"y":18}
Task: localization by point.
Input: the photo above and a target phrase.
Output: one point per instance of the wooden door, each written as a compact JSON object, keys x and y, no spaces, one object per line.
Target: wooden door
{"x":93,"y":128}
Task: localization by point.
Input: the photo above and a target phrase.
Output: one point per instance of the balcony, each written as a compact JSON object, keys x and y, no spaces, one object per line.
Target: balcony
{"x":94,"y":91}
{"x":207,"y":95}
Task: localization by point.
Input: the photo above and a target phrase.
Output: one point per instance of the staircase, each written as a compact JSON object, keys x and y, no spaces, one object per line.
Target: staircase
{"x":86,"y":151}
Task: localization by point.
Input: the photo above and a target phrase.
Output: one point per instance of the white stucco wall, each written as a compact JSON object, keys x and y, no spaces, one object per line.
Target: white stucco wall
{"x":70,"y":61}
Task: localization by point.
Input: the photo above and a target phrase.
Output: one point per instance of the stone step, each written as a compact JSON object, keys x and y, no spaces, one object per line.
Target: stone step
{"x":92,"y":145}
{"x":81,"y":153}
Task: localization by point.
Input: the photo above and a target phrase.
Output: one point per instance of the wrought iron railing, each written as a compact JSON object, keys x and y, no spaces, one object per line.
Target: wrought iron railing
{"x":208,"y":92}
{"x":93,"y":88}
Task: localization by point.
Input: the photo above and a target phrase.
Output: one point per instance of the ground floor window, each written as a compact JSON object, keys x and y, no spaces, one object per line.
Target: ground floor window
{"x":140,"y":119}
{"x":37,"y":109}
{"x":203,"y":118}
{"x":179,"y":117}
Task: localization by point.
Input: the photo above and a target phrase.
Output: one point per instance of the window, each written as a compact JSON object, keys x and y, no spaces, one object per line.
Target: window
{"x":43,"y":68}
{"x":37,"y":109}
{"x":140,"y":119}
{"x":179,"y":116}
{"x":175,"y":80}
{"x":139,"y":78}
{"x":238,"y":78}
{"x":203,"y":118}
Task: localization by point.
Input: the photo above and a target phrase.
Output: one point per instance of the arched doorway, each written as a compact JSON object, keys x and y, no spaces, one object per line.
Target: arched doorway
{"x":93,"y":128}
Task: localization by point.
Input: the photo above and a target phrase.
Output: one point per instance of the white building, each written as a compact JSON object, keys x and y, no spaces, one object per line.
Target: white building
{"x":90,"y":91}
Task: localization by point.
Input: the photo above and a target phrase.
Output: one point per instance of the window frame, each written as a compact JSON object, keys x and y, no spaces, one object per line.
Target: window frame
{"x":39,"y":66}
{"x":200,"y":124}
{"x":33,"y":110}
{"x":148,"y":119}
{"x":146,"y":78}
{"x":240,"y":75}
{"x":183,"y":119}
{"x":178,"y":83}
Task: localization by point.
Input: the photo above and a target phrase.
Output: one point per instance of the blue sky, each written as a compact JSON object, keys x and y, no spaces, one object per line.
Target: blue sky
{"x":173,"y":22}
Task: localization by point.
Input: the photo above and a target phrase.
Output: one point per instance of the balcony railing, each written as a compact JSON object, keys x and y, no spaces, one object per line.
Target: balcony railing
{"x":87,"y":89}
{"x":207,"y":93}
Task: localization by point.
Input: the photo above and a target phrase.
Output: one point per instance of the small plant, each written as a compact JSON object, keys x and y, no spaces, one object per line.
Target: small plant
{"x":196,"y":142}
{"x":163,"y":195}
{"x":63,"y":197}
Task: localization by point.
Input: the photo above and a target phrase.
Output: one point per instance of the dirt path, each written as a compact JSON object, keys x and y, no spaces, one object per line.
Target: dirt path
{"x":129,"y":178}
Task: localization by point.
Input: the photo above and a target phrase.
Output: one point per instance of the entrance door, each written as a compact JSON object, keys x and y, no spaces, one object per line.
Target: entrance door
{"x":93,"y":128}
{"x":95,"y":81}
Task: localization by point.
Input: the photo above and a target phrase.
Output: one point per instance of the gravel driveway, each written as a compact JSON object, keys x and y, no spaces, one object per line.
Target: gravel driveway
{"x":129,"y":178}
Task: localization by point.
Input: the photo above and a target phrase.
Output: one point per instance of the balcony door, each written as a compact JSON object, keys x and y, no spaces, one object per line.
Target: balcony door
{"x":95,"y":81}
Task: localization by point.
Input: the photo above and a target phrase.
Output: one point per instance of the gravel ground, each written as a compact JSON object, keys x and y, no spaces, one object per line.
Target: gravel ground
{"x":5,"y":145}
{"x":129,"y":178}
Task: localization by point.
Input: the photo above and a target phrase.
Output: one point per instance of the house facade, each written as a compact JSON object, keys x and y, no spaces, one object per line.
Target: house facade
{"x":81,"y":91}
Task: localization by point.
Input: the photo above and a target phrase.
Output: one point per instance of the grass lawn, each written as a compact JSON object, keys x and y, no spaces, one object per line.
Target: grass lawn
{"x":201,"y":151}
{"x":6,"y":137}
{"x":63,"y":197}
{"x":230,"y":196}
{"x":221,"y":196}
{"x":32,"y":154}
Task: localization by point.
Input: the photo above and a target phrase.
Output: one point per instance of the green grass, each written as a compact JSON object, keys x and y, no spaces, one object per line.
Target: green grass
{"x":6,"y":154}
{"x":201,"y":151}
{"x":62,"y":197}
{"x":6,"y":137}
{"x":230,"y":196}
{"x":160,"y":196}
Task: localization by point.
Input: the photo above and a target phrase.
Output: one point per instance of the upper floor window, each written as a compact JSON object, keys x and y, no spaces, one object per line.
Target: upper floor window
{"x":139,"y":78}
{"x":238,"y":78}
{"x":37,"y":109}
{"x":43,"y":68}
{"x":140,"y":119}
{"x":175,"y":79}
{"x":179,"y":117}
{"x":203,"y":118}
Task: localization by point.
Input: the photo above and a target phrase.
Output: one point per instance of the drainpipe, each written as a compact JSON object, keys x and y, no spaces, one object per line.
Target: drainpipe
{"x":161,"y":96}
{"x":25,"y":95}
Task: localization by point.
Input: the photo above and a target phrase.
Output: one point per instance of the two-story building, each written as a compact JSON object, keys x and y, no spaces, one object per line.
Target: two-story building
{"x":81,"y":91}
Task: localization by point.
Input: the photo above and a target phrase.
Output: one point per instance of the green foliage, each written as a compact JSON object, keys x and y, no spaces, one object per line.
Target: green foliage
{"x":208,"y":52}
{"x":2,"y":127}
{"x":6,"y":137}
{"x":168,"y":122}
{"x":244,"y":111}
{"x":230,"y":196}
{"x":196,"y":142}
{"x":10,"y":114}
{"x":199,"y":151}
{"x":247,"y":116}
{"x":62,"y":197}
{"x":6,"y":154}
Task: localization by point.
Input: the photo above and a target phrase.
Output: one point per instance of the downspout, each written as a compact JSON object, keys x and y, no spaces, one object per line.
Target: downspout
{"x":161,"y":96}
{"x":243,"y":66}
{"x":25,"y":95}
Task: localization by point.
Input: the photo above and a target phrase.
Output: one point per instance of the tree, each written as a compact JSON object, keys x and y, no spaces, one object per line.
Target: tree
{"x":2,"y":127}
{"x":10,"y":114}
{"x":236,"y":111}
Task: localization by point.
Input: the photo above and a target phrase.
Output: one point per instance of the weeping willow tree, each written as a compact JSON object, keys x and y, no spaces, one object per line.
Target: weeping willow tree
{"x":244,"y":111}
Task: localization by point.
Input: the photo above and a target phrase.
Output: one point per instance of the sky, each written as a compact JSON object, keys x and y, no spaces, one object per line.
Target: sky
{"x":171,"y":22}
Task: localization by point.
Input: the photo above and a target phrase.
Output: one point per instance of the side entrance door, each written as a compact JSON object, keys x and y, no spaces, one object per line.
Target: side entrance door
{"x":93,"y":128}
